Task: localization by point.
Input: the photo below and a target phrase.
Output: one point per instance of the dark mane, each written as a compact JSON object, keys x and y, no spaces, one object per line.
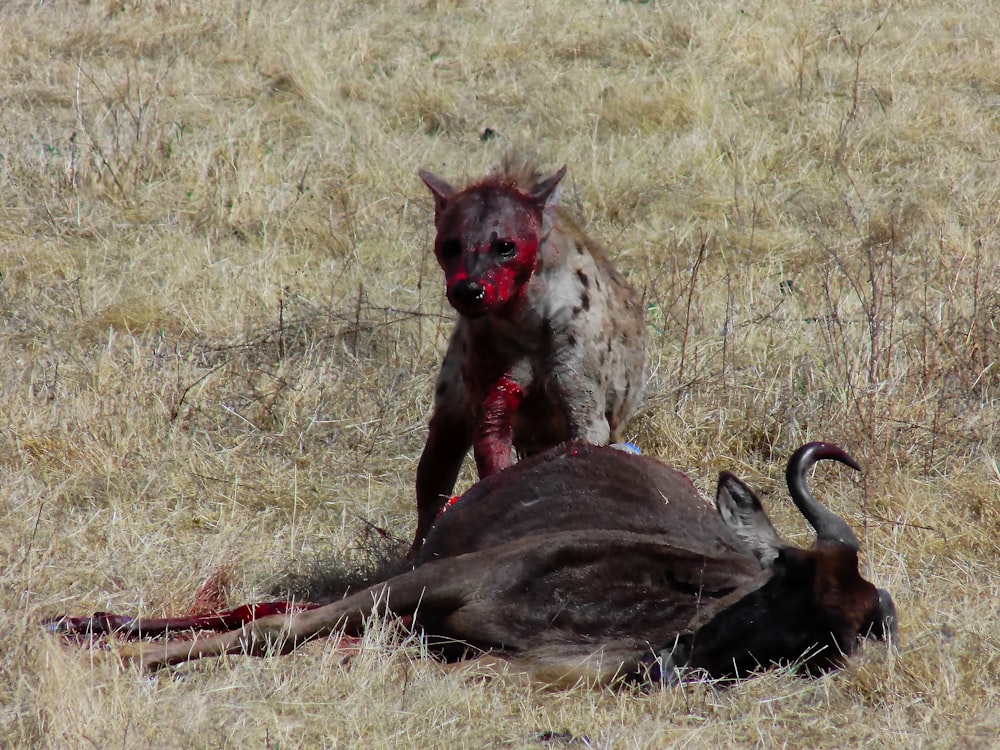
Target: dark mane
{"x":515,"y":170}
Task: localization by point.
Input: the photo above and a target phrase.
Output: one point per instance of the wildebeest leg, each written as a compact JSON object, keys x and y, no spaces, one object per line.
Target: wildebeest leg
{"x":566,"y":665}
{"x":123,"y":626}
{"x":440,"y":587}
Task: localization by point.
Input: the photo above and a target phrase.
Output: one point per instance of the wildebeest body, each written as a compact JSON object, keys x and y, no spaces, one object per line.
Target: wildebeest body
{"x":570,"y":488}
{"x":650,"y":591}
{"x":590,"y":563}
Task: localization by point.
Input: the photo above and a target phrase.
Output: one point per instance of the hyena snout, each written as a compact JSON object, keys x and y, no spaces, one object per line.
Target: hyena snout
{"x":467,"y":292}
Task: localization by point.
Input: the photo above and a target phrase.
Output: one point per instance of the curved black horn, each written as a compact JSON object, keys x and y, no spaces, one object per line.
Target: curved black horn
{"x":828,"y":525}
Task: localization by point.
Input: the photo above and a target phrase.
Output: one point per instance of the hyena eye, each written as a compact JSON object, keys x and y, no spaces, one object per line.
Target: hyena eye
{"x":504,"y":248}
{"x":450,"y":249}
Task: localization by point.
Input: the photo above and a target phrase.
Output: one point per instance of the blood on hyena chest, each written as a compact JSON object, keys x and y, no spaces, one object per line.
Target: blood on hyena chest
{"x":538,"y":409}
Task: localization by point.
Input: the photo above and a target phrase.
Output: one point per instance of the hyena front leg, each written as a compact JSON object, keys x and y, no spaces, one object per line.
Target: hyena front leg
{"x":448,"y":439}
{"x":587,"y":420}
{"x":449,"y":436}
{"x":583,"y":396}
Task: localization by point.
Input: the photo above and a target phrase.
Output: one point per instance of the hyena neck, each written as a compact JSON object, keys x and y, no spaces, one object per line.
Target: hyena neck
{"x":515,"y":331}
{"x":554,"y":290}
{"x":513,"y":326}
{"x":553,"y":242}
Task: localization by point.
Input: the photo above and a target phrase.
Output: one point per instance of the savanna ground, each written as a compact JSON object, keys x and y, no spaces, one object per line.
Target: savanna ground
{"x":222,"y":321}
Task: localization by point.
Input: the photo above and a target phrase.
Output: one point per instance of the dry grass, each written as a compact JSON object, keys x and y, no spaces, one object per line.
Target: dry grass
{"x":222,"y":321}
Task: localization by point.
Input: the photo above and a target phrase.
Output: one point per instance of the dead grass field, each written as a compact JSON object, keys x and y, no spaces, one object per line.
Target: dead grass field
{"x":222,"y":320}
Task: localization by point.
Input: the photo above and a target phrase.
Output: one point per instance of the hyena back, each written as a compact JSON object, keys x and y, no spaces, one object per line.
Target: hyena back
{"x":549,"y":345}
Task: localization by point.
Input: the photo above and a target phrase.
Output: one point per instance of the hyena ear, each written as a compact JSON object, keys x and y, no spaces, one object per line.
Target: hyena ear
{"x":441,"y":190}
{"x":544,"y":191}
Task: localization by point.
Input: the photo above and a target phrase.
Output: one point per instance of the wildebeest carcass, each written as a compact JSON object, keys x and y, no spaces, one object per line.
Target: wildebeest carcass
{"x":591,"y":563}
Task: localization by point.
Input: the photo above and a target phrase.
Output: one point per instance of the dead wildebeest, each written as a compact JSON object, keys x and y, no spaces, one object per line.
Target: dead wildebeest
{"x":591,"y":563}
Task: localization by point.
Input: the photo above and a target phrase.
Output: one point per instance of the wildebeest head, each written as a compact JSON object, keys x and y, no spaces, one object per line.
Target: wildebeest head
{"x":812,"y":607}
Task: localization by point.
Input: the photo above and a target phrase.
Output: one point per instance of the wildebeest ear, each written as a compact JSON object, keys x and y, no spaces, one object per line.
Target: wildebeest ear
{"x":886,"y":626}
{"x":545,"y":191}
{"x":742,"y":512}
{"x":441,"y":190}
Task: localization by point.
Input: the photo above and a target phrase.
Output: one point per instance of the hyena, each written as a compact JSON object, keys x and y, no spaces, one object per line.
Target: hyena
{"x":549,"y":345}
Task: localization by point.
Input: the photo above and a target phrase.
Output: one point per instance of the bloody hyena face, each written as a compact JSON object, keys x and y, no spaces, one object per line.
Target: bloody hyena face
{"x":487,"y":240}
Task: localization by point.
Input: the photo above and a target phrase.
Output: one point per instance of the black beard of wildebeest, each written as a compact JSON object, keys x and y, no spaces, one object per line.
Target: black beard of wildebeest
{"x":591,"y":563}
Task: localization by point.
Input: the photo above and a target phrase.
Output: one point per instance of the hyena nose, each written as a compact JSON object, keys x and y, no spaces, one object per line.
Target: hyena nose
{"x":468,"y":291}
